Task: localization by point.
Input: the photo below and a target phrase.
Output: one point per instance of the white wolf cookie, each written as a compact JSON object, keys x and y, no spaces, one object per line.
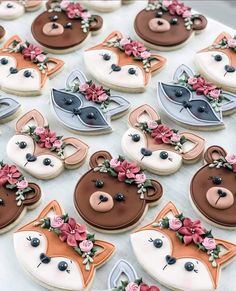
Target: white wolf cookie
{"x":40,"y":152}
{"x":59,"y":253}
{"x":105,"y":5}
{"x":180,"y":253}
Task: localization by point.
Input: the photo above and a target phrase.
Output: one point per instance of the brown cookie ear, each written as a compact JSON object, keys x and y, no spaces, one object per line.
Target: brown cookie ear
{"x":157,"y":62}
{"x":98,"y":157}
{"x":154,"y":193}
{"x":113,"y":35}
{"x":142,"y":113}
{"x":34,"y":115}
{"x":33,"y":196}
{"x":199,"y":22}
{"x":51,"y":3}
{"x":97,"y":23}
{"x":214,"y":153}
{"x":221,"y":36}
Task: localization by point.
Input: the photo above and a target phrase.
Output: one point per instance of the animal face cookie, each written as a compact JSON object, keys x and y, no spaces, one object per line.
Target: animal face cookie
{"x":188,"y":256}
{"x":122,"y":63}
{"x":58,"y":252}
{"x":65,"y":26}
{"x":25,"y":68}
{"x":10,"y":9}
{"x":114,"y":186}
{"x":195,"y":102}
{"x":2,"y":33}
{"x":212,"y":188}
{"x":217,"y":62}
{"x":39,"y":151}
{"x":8,"y":109}
{"x":167,"y":25}
{"x":105,"y":5}
{"x":155,"y":146}
{"x":16,"y":196}
{"x":85,"y":107}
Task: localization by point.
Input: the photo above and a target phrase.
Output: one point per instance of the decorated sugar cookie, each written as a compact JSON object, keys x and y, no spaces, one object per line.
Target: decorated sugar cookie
{"x":65,"y":26}
{"x":17,"y":196}
{"x":157,"y":147}
{"x":12,"y":9}
{"x":195,"y":102}
{"x":122,"y":63}
{"x":212,"y":188}
{"x":2,"y":33}
{"x":114,"y":186}
{"x":189,"y":256}
{"x":85,"y":106}
{"x":40,"y":151}
{"x":123,"y":277}
{"x":105,"y":5}
{"x":58,"y":253}
{"x":25,"y":68}
{"x":9,"y":109}
{"x":168,"y":25}
{"x":217,"y":62}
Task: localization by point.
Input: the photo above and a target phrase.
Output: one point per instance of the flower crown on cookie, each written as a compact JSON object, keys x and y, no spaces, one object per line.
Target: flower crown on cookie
{"x":228,"y":162}
{"x":226,"y":43}
{"x":137,"y":285}
{"x":11,"y":178}
{"x":127,"y":172}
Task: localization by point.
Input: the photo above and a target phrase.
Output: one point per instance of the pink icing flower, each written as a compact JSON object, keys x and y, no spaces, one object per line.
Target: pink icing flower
{"x":39,"y":130}
{"x":202,"y":87}
{"x":145,"y":55}
{"x":9,"y":174}
{"x":191,"y":231}
{"x":86,"y":246}
{"x":132,"y":287}
{"x":177,"y":8}
{"x":234,"y":168}
{"x":72,"y":232}
{"x":64,"y":4}
{"x":175,"y":224}
{"x":124,"y":41}
{"x":31,"y":52}
{"x":74,"y":10}
{"x":83,"y":87}
{"x":127,"y":170}
{"x":187,"y":13}
{"x":145,"y":287}
{"x":231,"y":159}
{"x":57,"y":143}
{"x":114,"y":163}
{"x":215,"y":93}
{"x":166,"y":3}
{"x":47,"y":139}
{"x":41,"y":58}
{"x":175,"y":137}
{"x":209,"y":243}
{"x":85,"y":15}
{"x":21,"y":185}
{"x":140,"y":178}
{"x":134,"y":48}
{"x":192,"y":80}
{"x":162,"y":134}
{"x":57,"y":221}
{"x":231,"y":42}
{"x":152,"y":124}
{"x":95,"y":93}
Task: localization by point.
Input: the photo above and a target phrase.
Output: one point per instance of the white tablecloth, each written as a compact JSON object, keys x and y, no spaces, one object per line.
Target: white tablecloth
{"x":176,"y":187}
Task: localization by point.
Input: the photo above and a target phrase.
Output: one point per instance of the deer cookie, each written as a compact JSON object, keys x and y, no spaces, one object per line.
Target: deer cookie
{"x":25,"y":68}
{"x":194,"y":102}
{"x":217,"y":62}
{"x":122,"y":64}
{"x":10,"y":9}
{"x":86,"y":107}
{"x":115,"y":194}
{"x":167,"y":25}
{"x":65,"y":26}
{"x":40,"y":152}
{"x":105,"y":5}
{"x":58,"y":253}
{"x":188,"y":255}
{"x":17,"y":196}
{"x":212,"y":190}
{"x":9,"y":109}
{"x":155,"y":146}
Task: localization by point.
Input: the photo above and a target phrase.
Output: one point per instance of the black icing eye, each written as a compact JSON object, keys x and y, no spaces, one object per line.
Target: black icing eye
{"x":216,"y":180}
{"x":189,"y":266}
{"x":115,"y":68}
{"x":91,"y":115}
{"x":2,"y":203}
{"x":158,"y":243}
{"x":135,"y":137}
{"x":218,"y":58}
{"x":99,"y":183}
{"x":179,"y":93}
{"x":47,"y":162}
{"x":164,"y":155}
{"x":106,"y":57}
{"x":27,"y":74}
{"x":62,"y":266}
{"x":22,"y":145}
{"x":13,"y":70}
{"x":174,"y":21}
{"x":35,"y":242}
{"x":68,"y":101}
{"x":131,"y":71}
{"x":68,"y":25}
{"x":4,"y":61}
{"x":119,"y":197}
{"x":159,"y":14}
{"x":53,"y":18}
{"x":201,"y":109}
{"x":9,"y":5}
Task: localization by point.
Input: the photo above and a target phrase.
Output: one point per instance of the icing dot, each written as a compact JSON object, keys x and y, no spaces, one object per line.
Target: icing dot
{"x":179,"y":93}
{"x":27,"y":74}
{"x":4,"y":61}
{"x":174,"y":21}
{"x":62,"y":266}
{"x":106,"y":57}
{"x":201,"y":109}
{"x":22,"y":145}
{"x":164,"y":155}
{"x":47,"y":162}
{"x":131,"y":71}
{"x":2,"y":202}
{"x":220,"y":198}
{"x":216,"y":180}
{"x":135,"y":137}
{"x":157,"y":243}
{"x":68,"y":101}
{"x":91,"y":115}
{"x":9,"y":5}
{"x":99,"y":183}
{"x":159,"y":14}
{"x":218,"y":58}
{"x":35,"y":242}
{"x":189,"y":266}
{"x":68,"y":25}
{"x":119,"y":197}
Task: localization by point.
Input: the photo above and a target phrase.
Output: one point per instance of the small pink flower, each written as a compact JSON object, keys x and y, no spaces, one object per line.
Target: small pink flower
{"x":47,"y":139}
{"x":145,"y":55}
{"x":74,"y":10}
{"x":134,"y":48}
{"x":83,"y":87}
{"x":64,"y":4}
{"x":86,"y":246}
{"x":31,"y":52}
{"x":162,"y":134}
{"x":85,"y":15}
{"x":192,"y":231}
{"x":103,"y":97}
{"x":187,"y":13}
{"x":215,"y":93}
{"x":175,"y":137}
{"x":175,"y":224}
{"x":140,"y":178}
{"x":177,"y":8}
{"x":57,"y":221}
{"x":231,"y":159}
{"x":132,"y":287}
{"x":114,"y":163}
{"x":94,"y":93}
{"x":192,"y":80}
{"x":232,"y":42}
{"x":209,"y":243}
{"x":127,"y":170}
{"x":145,"y":287}
{"x":39,"y":130}
{"x":41,"y":58}
{"x":124,"y":41}
{"x":9,"y":174}
{"x":57,"y":143}
{"x":152,"y":124}
{"x":166,"y":3}
{"x":21,"y":185}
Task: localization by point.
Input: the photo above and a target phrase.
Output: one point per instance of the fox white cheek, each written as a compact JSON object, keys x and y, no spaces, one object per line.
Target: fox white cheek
{"x":11,"y":9}
{"x":6,"y":63}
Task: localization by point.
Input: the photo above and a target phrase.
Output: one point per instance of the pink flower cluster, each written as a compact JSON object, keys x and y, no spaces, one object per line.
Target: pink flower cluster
{"x":143,"y":287}
{"x":134,"y":48}
{"x":202,"y":87}
{"x":74,"y":10}
{"x":47,"y":138}
{"x":9,"y":174}
{"x":231,"y":159}
{"x":94,"y":93}
{"x":231,"y":43}
{"x":176,"y":7}
{"x":34,"y":53}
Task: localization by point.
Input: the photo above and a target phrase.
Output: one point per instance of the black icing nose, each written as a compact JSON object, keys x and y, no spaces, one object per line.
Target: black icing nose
{"x":30,"y":158}
{"x":170,"y":260}
{"x":146,"y":152}
{"x":229,"y":69}
{"x":115,"y":68}
{"x":44,"y":259}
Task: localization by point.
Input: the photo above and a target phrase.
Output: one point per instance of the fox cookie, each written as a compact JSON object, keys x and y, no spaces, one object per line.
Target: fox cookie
{"x":86,"y":107}
{"x":58,"y":253}
{"x":17,"y":196}
{"x":188,"y":256}
{"x":114,"y":186}
{"x":105,"y":5}
{"x":40,"y":152}
{"x":194,"y":102}
{"x":131,"y":282}
{"x":9,"y":109}
{"x":217,"y":62}
{"x":25,"y":68}
{"x":212,"y":189}
{"x":167,"y":25}
{"x":65,"y":26}
{"x":155,"y":146}
{"x":122,"y":64}
{"x":10,"y":9}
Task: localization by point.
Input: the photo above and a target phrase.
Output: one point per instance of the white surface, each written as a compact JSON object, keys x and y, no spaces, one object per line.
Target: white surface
{"x":176,"y":187}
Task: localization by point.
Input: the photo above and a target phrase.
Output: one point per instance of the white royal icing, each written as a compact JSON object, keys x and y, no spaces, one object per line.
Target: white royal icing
{"x":13,"y":12}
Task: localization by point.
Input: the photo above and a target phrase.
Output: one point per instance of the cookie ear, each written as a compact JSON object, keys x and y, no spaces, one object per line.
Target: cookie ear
{"x":75,"y":75}
{"x":221,"y":36}
{"x":154,"y":193}
{"x":54,"y":65}
{"x":98,"y":157}
{"x":181,"y":72}
{"x":112,"y":36}
{"x":157,"y":62}
{"x":52,"y":207}
{"x":97,"y":23}
{"x":168,"y":209}
{"x":12,"y":39}
{"x":50,"y":4}
{"x":229,"y":251}
{"x":142,"y":113}
{"x":199,"y":22}
{"x":105,"y":253}
{"x":196,"y":146}
{"x":32,"y":4}
{"x":214,"y":153}
{"x":35,"y":115}
{"x":34,"y":196}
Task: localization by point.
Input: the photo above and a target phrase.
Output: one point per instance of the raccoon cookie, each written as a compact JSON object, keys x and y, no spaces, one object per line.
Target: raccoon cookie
{"x":105,"y":5}
{"x":195,"y":102}
{"x":40,"y":151}
{"x":122,"y":63}
{"x":64,"y":26}
{"x":8,"y":109}
{"x":58,"y":252}
{"x":17,"y":196}
{"x":155,"y":146}
{"x":86,"y":107}
{"x":189,"y":256}
{"x":114,"y":186}
{"x":217,"y":62}
{"x":167,"y":25}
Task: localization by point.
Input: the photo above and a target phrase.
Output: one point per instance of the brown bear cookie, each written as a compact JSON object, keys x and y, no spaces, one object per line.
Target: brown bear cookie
{"x":64,"y":26}
{"x":16,"y":196}
{"x":213,"y":188}
{"x":167,"y":25}
{"x":114,"y":195}
{"x":2,"y":33}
